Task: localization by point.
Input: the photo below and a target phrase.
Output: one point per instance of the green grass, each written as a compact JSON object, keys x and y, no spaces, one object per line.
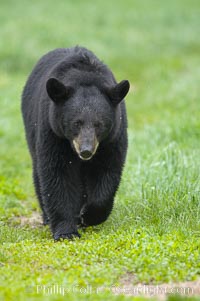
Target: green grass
{"x":153,"y":233}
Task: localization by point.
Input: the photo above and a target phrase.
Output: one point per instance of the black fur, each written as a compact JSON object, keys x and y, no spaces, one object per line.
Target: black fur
{"x":71,"y":94}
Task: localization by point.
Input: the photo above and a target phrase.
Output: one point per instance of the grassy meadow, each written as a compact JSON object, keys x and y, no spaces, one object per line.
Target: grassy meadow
{"x":153,"y":234}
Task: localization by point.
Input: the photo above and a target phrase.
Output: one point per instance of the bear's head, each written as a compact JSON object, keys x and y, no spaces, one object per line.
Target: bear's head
{"x":85,"y":115}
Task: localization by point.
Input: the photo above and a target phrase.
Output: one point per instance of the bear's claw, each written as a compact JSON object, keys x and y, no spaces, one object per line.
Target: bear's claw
{"x":62,"y":236}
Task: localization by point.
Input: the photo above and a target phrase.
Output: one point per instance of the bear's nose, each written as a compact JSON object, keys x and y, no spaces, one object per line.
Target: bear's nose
{"x":86,"y":154}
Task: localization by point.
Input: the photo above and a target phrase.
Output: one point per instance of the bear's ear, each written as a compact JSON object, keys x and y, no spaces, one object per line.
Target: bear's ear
{"x":57,"y":91}
{"x":119,"y":91}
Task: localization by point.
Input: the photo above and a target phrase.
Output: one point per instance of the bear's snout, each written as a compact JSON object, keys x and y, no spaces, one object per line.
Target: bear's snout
{"x":86,"y":145}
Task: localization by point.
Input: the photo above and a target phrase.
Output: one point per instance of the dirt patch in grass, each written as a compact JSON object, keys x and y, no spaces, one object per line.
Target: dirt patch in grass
{"x":160,"y":291}
{"x":33,"y":221}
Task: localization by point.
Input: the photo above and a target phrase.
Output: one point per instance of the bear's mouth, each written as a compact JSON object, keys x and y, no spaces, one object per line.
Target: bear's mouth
{"x":85,"y":158}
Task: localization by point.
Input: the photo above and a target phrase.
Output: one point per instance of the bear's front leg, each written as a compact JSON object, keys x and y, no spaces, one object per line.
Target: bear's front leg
{"x":63,"y":206}
{"x":61,"y":192}
{"x":100,"y":201}
{"x":62,"y":203}
{"x":94,"y":214}
{"x":103,"y":178}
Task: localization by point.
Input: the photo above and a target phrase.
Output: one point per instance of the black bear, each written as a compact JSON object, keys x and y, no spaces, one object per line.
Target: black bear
{"x":76,"y":128}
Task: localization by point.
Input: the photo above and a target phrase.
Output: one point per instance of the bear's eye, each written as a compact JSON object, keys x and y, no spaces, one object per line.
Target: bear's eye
{"x":78,"y":123}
